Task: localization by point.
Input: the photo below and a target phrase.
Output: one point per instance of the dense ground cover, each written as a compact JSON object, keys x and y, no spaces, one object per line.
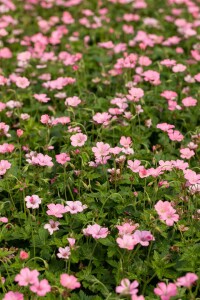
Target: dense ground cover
{"x":99,"y":151}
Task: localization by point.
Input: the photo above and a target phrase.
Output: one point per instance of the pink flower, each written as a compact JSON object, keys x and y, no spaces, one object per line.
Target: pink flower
{"x":166,"y":291}
{"x":165,"y":127}
{"x":187,"y":281}
{"x":69,"y":281}
{"x":56,"y":210}
{"x":175,"y":135}
{"x":166,"y":212}
{"x":41,"y":288}
{"x":74,"y":207}
{"x":32,"y":201}
{"x":135,"y":94}
{"x":73,"y":101}
{"x":192,"y":176}
{"x":23,"y":255}
{"x":127,"y":241}
{"x":4,"y":129}
{"x":169,"y":95}
{"x":96,"y":231}
{"x":64,"y":252}
{"x":78,"y":140}
{"x":22,"y":82}
{"x":4,"y":166}
{"x":45,"y":119}
{"x":143,"y":237}
{"x":42,"y":160}
{"x":125,"y":141}
{"x":72,"y":242}
{"x":101,"y":149}
{"x":52,"y":226}
{"x":102,"y":118}
{"x":19,"y":132}
{"x":197,"y":77}
{"x":13,"y":296}
{"x":189,"y":101}
{"x":136,"y":297}
{"x":4,"y":220}
{"x":126,"y":228}
{"x":134,"y":166}
{"x":127,"y":288}
{"x":26,"y":277}
{"x":152,"y":76}
{"x":62,"y":158}
{"x":168,"y":62}
{"x":178,"y":68}
{"x":7,"y":148}
{"x":186,"y":153}
{"x":41,"y":98}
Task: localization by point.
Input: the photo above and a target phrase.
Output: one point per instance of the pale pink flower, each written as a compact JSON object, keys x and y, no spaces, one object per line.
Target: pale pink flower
{"x":25,"y":116}
{"x":13,"y":296}
{"x":175,"y":135}
{"x":180,"y":164}
{"x":72,"y":242}
{"x":62,"y":158}
{"x":2,"y":105}
{"x":127,"y":241}
{"x":144,"y":61}
{"x":69,"y":281}
{"x":102,"y":118}
{"x":73,"y":101}
{"x":126,"y":228}
{"x":26,"y":277}
{"x":52,"y":226}
{"x":169,"y":95}
{"x":64,"y":252}
{"x":179,"y":68}
{"x":101,"y":149}
{"x":143,"y":237}
{"x":56,"y":210}
{"x":166,"y":212}
{"x":135,"y":94}
{"x":96,"y":231}
{"x":136,"y":297}
{"x":127,"y":288}
{"x":3,"y":219}
{"x":41,"y":98}
{"x":166,"y":291}
{"x":189,"y":101}
{"x":4,"y":166}
{"x":197,"y":77}
{"x":41,"y":288}
{"x":32,"y":201}
{"x":4,"y":129}
{"x":78,"y":140}
{"x":45,"y":119}
{"x":152,"y":76}
{"x":186,"y":153}
{"x":42,"y":160}
{"x":7,"y":148}
{"x":125,"y":141}
{"x":192,"y":176}
{"x":164,"y":126}
{"x":22,"y":82}
{"x":168,"y":62}
{"x":134,"y":166}
{"x":188,"y":280}
{"x":75,"y":207}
